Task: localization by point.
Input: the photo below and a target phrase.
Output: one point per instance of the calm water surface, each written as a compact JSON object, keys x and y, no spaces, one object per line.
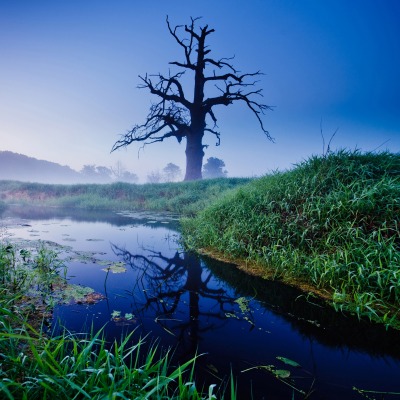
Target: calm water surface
{"x":198,"y":306}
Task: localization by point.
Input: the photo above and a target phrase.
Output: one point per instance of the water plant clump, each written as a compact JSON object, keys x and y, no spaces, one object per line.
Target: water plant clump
{"x":36,"y":366}
{"x":332,"y":222}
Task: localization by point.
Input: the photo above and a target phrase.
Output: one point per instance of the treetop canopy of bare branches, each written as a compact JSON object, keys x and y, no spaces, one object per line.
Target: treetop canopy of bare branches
{"x":176,"y":115}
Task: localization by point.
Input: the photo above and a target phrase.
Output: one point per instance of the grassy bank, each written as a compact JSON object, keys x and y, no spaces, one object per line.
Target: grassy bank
{"x":332,"y":222}
{"x":36,"y":366}
{"x":185,"y":198}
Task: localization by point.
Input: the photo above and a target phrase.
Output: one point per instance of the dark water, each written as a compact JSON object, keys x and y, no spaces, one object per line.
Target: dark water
{"x":199,"y":306}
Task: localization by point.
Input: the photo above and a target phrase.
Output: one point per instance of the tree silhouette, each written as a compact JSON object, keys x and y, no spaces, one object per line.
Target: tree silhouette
{"x":213,"y":168}
{"x":171,"y":172}
{"x":121,"y":174}
{"x":93,"y":173}
{"x":154,"y":177}
{"x":174,"y":115}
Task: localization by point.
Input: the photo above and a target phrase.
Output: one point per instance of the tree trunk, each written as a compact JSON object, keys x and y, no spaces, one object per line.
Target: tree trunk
{"x":194,"y":155}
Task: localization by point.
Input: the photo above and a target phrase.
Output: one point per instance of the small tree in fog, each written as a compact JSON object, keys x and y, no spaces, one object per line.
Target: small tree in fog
{"x":104,"y":173}
{"x":154,"y":177}
{"x":89,"y":171}
{"x":121,"y":174}
{"x":118,"y":170}
{"x":172,"y":172}
{"x":129,"y":177}
{"x":93,"y":173}
{"x":213,"y":168}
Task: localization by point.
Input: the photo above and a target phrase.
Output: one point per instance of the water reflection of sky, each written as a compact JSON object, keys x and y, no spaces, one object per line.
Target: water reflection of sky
{"x":191,"y":304}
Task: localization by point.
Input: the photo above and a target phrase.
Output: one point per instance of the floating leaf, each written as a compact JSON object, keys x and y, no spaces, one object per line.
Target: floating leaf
{"x":104,"y":262}
{"x":117,"y":268}
{"x":93,"y":298}
{"x":282,"y":373}
{"x":115,"y":314}
{"x":129,"y":316}
{"x":287,"y":361}
{"x":73,"y":293}
{"x":243,"y":304}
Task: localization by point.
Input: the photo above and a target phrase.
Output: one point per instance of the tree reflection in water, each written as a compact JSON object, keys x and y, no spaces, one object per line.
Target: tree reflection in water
{"x":164,"y":281}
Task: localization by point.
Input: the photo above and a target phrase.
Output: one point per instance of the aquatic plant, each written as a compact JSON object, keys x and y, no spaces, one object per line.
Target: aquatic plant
{"x":333,"y":222}
{"x":12,"y":275}
{"x":35,"y":366}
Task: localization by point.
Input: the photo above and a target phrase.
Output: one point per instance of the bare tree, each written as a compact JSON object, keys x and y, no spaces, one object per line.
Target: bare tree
{"x":174,"y":115}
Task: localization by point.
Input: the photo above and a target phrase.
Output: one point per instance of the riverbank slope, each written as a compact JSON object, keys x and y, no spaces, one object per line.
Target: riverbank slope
{"x":332,"y":225}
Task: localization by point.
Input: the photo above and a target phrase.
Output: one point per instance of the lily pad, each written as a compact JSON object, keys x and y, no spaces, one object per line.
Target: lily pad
{"x":93,"y":298}
{"x":287,"y":361}
{"x":243,"y":303}
{"x":129,"y":316}
{"x":75,"y":293}
{"x":282,"y":373}
{"x":116,"y":268}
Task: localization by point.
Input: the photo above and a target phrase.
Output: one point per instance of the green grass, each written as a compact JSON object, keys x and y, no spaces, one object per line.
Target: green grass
{"x":185,"y":198}
{"x":332,"y":221}
{"x":36,"y":366}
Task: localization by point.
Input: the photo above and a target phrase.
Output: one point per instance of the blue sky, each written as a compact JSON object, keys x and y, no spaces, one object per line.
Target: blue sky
{"x":69,"y":72}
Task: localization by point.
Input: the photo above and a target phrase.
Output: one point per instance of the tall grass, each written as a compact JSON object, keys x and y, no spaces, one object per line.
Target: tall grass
{"x":36,"y":366}
{"x":332,"y":221}
{"x":184,"y":197}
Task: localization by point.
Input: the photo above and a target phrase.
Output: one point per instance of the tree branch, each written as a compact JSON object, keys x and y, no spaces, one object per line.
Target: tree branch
{"x":164,"y":88}
{"x":161,"y":123}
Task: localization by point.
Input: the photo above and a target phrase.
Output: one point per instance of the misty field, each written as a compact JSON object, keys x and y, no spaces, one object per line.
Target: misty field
{"x":184,"y":198}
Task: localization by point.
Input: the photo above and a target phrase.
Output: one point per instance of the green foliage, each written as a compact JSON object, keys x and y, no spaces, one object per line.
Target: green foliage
{"x":35,"y":366}
{"x":38,"y":367}
{"x":213,"y":168}
{"x":185,"y":198}
{"x":333,"y":221}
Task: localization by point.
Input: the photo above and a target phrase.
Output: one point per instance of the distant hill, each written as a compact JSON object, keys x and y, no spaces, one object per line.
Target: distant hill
{"x":14,"y":166}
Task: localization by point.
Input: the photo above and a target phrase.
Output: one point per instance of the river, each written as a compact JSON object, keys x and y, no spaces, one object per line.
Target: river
{"x":278,"y":342}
